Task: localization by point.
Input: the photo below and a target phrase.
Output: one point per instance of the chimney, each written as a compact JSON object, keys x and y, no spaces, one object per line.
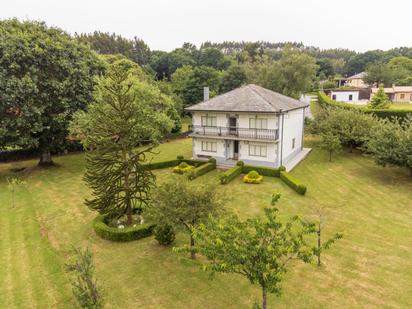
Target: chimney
{"x":205,"y":93}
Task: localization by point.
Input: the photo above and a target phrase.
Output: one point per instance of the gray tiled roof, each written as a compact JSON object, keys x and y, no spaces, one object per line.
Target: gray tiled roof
{"x":249,"y":98}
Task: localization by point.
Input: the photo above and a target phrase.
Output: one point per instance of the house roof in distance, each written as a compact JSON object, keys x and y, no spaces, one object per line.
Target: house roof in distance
{"x":394,"y":89}
{"x":360,"y":75}
{"x":249,"y":98}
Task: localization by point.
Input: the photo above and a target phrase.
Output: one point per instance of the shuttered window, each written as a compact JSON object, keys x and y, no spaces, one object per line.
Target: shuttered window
{"x":257,"y":150}
{"x":208,"y":121}
{"x":258,"y":123}
{"x":209,"y":146}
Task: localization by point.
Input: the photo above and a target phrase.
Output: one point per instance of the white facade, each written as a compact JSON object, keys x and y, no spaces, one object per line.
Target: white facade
{"x":265,"y":139}
{"x":345,"y":96}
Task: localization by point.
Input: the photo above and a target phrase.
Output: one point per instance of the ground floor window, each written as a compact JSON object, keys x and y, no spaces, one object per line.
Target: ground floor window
{"x":209,"y":146}
{"x":257,"y":150}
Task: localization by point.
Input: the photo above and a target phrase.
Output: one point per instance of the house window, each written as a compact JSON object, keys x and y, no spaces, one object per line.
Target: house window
{"x":293,"y":143}
{"x":257,"y":150}
{"x":209,"y":146}
{"x":334,"y":97}
{"x":258,"y":123}
{"x":208,"y":121}
{"x":350,"y":97}
{"x":402,"y":96}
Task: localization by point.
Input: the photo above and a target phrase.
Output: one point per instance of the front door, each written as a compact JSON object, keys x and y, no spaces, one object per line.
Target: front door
{"x":235,"y":150}
{"x":232,"y":125}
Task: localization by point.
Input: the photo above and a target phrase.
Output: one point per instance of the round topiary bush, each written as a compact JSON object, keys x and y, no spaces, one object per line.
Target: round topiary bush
{"x":105,"y":231}
{"x":182,"y":168}
{"x":253,"y":177}
{"x":164,"y":234}
{"x":240,"y":163}
{"x":180,"y":157}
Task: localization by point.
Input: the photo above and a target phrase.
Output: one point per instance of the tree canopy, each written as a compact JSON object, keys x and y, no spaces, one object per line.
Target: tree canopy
{"x":45,"y":76}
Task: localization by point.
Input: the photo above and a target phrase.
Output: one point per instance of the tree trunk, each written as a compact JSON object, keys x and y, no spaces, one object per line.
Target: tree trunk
{"x":46,"y":159}
{"x":264,"y":297}
{"x":192,"y":244}
{"x":319,"y":245}
{"x":129,"y":212}
{"x":330,"y":156}
{"x":350,"y":147}
{"x":410,"y":171}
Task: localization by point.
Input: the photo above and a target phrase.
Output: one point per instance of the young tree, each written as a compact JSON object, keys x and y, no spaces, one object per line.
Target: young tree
{"x":259,"y":249}
{"x":322,"y":246}
{"x":380,"y":99}
{"x":88,"y":295}
{"x":330,"y":143}
{"x":12,"y":184}
{"x":45,"y":76}
{"x":391,"y":143}
{"x":181,"y":204}
{"x":120,"y":128}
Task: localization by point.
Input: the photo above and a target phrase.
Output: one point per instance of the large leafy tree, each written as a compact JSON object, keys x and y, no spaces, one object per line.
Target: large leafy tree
{"x":183,"y":205}
{"x":188,"y":83}
{"x":45,"y":76}
{"x":126,"y":120}
{"x":234,"y":77}
{"x":391,"y":143}
{"x":259,"y":249}
{"x":378,"y":73}
{"x":212,"y":57}
{"x":352,"y":127}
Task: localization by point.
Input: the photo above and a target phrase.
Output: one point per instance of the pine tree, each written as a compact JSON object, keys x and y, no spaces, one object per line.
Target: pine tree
{"x":380,"y":99}
{"x":126,"y":121}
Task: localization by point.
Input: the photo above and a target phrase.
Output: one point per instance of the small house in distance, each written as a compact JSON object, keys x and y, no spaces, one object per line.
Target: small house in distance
{"x":350,"y":95}
{"x":251,"y":124}
{"x":355,"y":81}
{"x":396,"y":93}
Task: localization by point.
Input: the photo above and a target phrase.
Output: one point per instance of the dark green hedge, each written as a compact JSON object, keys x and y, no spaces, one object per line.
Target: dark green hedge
{"x":263,"y":170}
{"x":201,"y":170}
{"x":121,"y":235}
{"x":293,"y":182}
{"x":194,"y":162}
{"x":324,"y":100}
{"x":230,"y":174}
{"x":163,"y":164}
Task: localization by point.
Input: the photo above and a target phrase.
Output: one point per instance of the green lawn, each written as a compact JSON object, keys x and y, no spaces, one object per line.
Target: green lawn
{"x":400,"y":106}
{"x":370,"y":267}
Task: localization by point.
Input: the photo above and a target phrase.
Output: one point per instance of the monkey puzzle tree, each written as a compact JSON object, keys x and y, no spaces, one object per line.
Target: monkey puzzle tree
{"x":121,"y":127}
{"x":45,"y":76}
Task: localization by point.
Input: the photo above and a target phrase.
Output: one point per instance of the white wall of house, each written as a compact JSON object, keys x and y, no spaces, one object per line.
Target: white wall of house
{"x":199,"y":151}
{"x":345,"y":96}
{"x":248,"y":153}
{"x":243,"y":119}
{"x":292,"y":141}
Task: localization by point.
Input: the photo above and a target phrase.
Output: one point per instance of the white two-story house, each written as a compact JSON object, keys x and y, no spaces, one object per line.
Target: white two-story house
{"x":251,"y":124}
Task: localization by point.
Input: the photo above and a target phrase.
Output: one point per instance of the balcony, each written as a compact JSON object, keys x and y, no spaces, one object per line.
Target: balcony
{"x":235,"y":133}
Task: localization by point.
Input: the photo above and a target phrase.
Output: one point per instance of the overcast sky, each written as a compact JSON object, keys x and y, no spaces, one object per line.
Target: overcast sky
{"x":165,"y":24}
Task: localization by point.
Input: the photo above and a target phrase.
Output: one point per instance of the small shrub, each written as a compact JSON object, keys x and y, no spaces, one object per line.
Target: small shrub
{"x":201,"y":170}
{"x":253,"y":177}
{"x":121,"y":235}
{"x":164,"y":234}
{"x":180,"y":157}
{"x":240,"y":163}
{"x":230,"y":174}
{"x":293,"y":182}
{"x":183,"y":168}
{"x":212,"y":160}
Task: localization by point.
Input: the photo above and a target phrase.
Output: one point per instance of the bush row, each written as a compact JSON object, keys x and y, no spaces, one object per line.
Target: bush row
{"x":121,"y":235}
{"x":263,"y":170}
{"x":293,"y":182}
{"x":202,"y":169}
{"x":230,"y":174}
{"x":324,"y":100}
{"x":173,"y":163}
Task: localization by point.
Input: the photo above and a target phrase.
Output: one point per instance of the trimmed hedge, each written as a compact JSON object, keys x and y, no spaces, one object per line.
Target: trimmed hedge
{"x":293,"y":182}
{"x":121,"y":235}
{"x":162,"y":164}
{"x":324,"y":100}
{"x":201,"y":170}
{"x":230,"y":174}
{"x":263,"y":170}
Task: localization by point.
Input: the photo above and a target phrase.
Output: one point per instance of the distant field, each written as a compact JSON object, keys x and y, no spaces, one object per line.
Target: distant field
{"x":370,"y":267}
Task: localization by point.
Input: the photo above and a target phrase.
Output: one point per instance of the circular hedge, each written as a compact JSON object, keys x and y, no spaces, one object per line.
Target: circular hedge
{"x":121,"y":235}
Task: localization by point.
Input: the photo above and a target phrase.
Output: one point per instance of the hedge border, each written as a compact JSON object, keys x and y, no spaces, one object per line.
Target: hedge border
{"x":202,"y":169}
{"x":325,"y":100}
{"x":292,"y":182}
{"x":230,"y":174}
{"x":121,"y":235}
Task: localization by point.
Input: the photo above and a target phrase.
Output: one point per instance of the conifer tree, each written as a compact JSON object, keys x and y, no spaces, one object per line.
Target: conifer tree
{"x":380,"y":99}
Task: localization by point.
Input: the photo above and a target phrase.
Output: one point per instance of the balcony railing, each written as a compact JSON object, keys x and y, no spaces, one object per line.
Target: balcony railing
{"x":262,"y":134}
